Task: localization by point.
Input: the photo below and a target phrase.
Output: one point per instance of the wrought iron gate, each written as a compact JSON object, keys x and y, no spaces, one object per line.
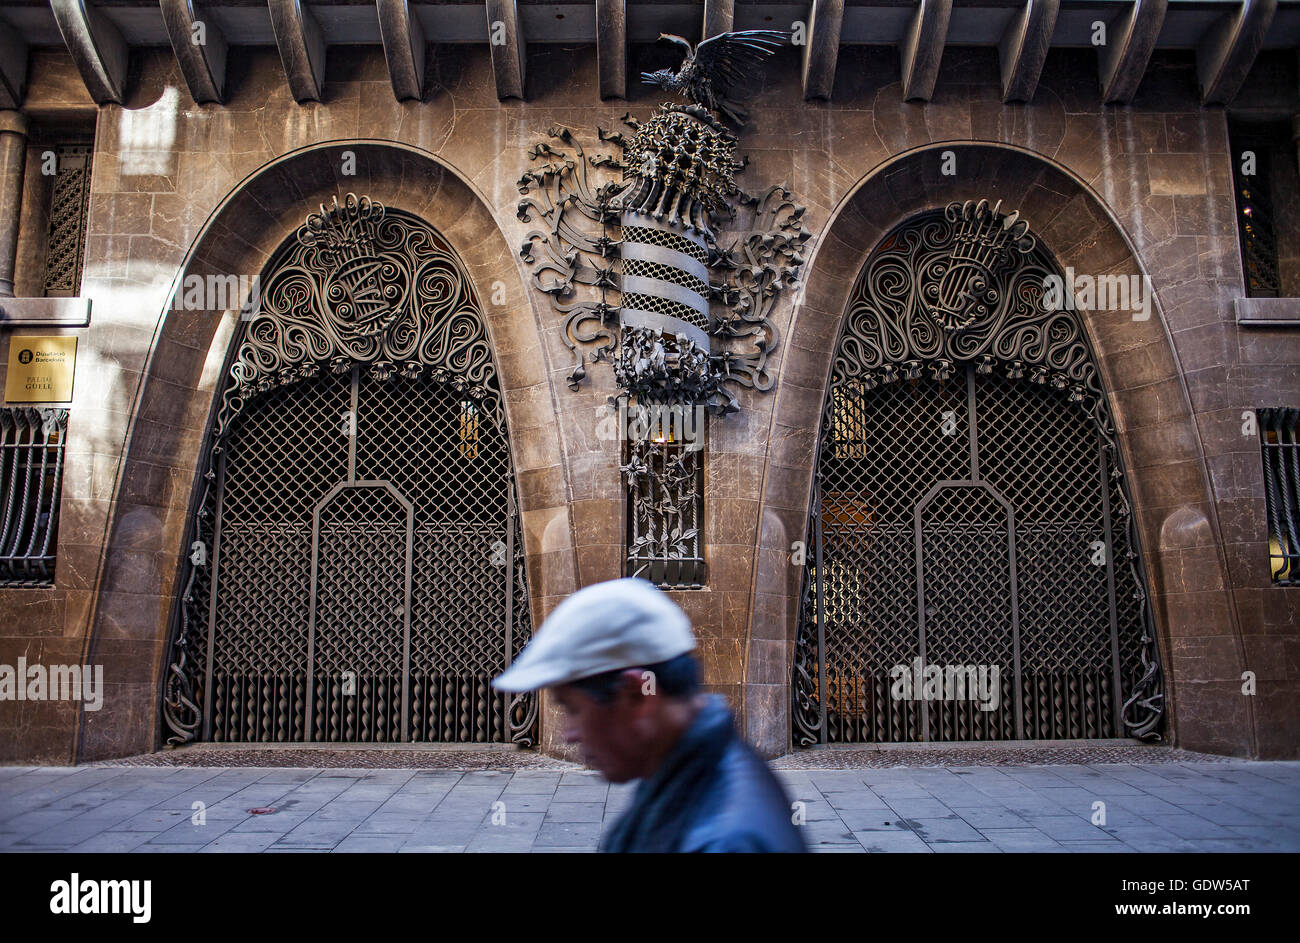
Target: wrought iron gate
{"x":973,"y":572}
{"x":366,"y":577}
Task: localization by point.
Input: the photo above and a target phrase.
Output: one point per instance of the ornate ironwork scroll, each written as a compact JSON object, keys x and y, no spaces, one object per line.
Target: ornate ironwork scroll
{"x":355,"y":569}
{"x":661,"y":265}
{"x":969,"y":507}
{"x":626,"y":259}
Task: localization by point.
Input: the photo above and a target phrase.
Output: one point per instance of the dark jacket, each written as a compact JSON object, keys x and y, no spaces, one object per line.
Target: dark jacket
{"x":712,"y":793}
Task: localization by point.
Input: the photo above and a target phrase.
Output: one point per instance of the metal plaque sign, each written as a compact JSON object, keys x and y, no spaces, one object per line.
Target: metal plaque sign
{"x":40,"y":369}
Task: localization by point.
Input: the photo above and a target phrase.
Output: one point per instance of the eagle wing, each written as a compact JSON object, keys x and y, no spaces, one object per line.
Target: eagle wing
{"x":732,"y":59}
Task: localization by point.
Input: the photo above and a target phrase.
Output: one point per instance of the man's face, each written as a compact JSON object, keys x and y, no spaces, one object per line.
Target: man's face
{"x":609,"y":735}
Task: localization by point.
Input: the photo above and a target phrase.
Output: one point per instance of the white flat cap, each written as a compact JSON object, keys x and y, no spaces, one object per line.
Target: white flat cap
{"x":617,"y":624}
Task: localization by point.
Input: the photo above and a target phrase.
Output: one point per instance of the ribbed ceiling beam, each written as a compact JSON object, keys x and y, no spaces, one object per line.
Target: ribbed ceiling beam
{"x":302,"y":48}
{"x":922,"y":48}
{"x":506,"y":40}
{"x":1228,"y":50}
{"x":1122,"y":61}
{"x":1023,"y":48}
{"x":611,"y":47}
{"x":199,"y":47}
{"x":404,"y":42}
{"x":823,"y":48}
{"x":97,"y":49}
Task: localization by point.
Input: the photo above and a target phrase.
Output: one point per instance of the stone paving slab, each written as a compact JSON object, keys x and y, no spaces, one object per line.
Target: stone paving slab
{"x":1181,"y":805}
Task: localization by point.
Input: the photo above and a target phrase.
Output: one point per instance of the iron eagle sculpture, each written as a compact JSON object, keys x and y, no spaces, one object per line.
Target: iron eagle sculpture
{"x":716,"y":66}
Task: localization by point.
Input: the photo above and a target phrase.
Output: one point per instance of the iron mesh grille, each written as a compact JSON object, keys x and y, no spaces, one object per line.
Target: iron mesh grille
{"x":967,"y":604}
{"x":435,"y":448}
{"x":904,"y":489}
{"x":658,"y":305}
{"x":665,"y":240}
{"x":665,"y":273}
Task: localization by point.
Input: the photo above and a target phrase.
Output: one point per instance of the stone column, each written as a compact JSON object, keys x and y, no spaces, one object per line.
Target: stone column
{"x":13,"y":158}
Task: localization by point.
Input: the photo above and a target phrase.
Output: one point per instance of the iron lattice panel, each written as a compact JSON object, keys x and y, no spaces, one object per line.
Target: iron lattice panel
{"x":359,"y":648}
{"x":1256,"y":229}
{"x":66,"y":237}
{"x":665,"y":239}
{"x":667,"y":306}
{"x":446,"y":454}
{"x":283,"y":455}
{"x":429,"y":445}
{"x":1079,"y":618}
{"x":665,"y":273}
{"x":968,"y":606}
{"x":867,"y":585}
{"x":1042,"y":453}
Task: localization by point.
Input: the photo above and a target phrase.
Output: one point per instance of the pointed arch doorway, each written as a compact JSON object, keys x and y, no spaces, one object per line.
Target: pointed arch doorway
{"x":974,"y":569}
{"x":357,"y":573}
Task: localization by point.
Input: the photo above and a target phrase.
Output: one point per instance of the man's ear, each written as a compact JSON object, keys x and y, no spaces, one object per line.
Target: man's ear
{"x":630,"y":688}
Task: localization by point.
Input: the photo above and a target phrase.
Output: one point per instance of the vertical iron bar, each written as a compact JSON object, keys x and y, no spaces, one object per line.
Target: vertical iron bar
{"x":822,"y":691}
{"x":10,"y":449}
{"x":213,"y":588}
{"x":27,"y":450}
{"x":510,"y":571}
{"x":51,"y":524}
{"x":311,"y":620}
{"x":1015,"y":621}
{"x":920,"y":615}
{"x":970,"y":422}
{"x":1117,"y":696}
{"x":44,"y":449}
{"x":353,"y":425}
{"x":406,"y":620}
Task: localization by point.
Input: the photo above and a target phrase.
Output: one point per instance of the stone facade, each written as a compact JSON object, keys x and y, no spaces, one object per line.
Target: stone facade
{"x":181,"y":188}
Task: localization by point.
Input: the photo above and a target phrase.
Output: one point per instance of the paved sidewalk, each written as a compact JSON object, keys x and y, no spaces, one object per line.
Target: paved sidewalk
{"x":1235,"y":806}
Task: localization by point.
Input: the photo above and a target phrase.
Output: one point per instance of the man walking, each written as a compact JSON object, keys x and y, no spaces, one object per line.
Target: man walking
{"x":617,"y":657}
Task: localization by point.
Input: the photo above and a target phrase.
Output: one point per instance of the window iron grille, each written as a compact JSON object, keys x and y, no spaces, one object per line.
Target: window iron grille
{"x":1255,"y":227}
{"x":31,"y":476}
{"x":69,"y":204}
{"x":1280,"y":445}
{"x":665,"y":480}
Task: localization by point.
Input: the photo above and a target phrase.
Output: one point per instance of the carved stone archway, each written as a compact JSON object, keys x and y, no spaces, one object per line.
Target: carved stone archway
{"x":1137,"y":365}
{"x":356,"y":569}
{"x":969,"y":509}
{"x":135,"y":598}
